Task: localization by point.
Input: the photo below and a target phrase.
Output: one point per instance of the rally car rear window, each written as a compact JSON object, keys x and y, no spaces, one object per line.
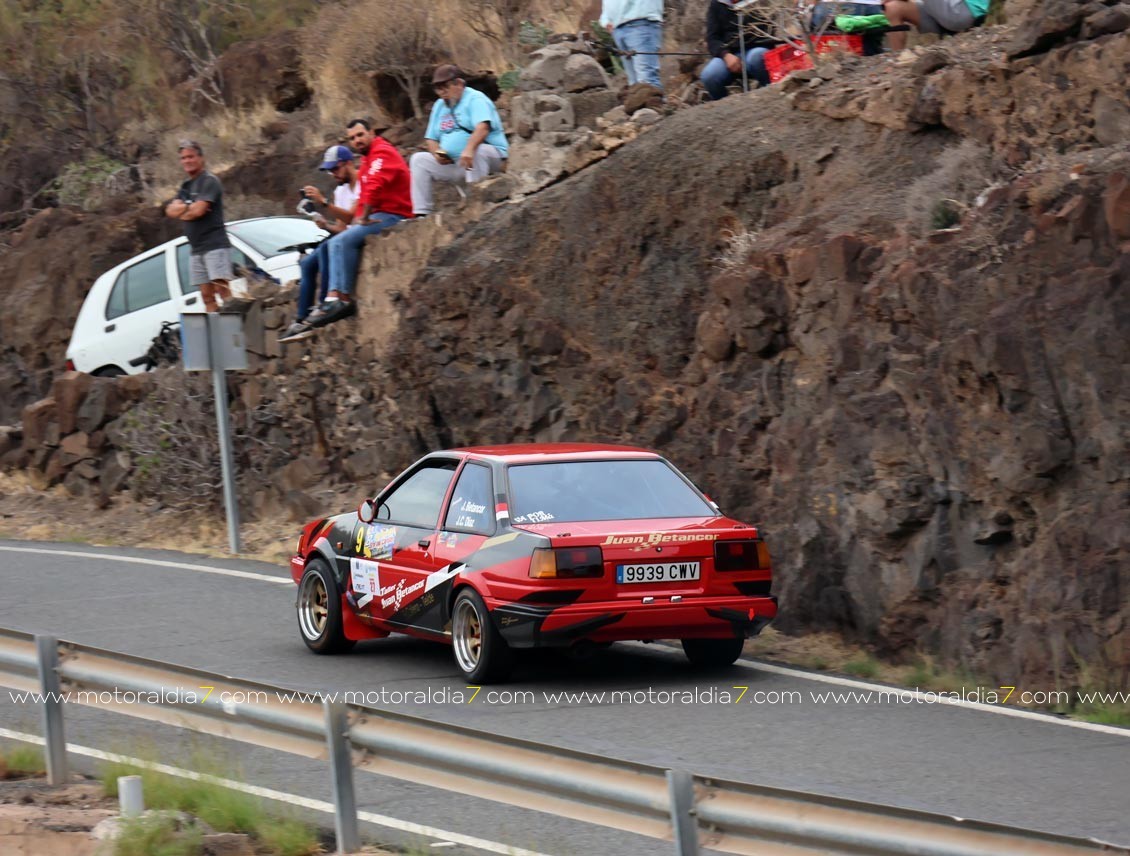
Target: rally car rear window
{"x":601,"y":490}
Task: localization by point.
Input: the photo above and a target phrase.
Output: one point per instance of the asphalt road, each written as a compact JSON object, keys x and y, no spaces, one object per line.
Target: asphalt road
{"x":1037,"y":774}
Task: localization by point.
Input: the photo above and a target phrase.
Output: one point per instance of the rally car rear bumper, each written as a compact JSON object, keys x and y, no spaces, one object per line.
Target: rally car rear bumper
{"x":530,"y":626}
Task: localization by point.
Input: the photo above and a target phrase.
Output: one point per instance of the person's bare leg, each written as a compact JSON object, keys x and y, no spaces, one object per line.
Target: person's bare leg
{"x":222,"y":290}
{"x":208,"y":295}
{"x":900,"y":12}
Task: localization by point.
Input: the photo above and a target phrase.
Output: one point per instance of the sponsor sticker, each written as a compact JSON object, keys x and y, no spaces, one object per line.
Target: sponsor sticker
{"x":380,"y":541}
{"x":365,"y":577}
{"x":398,"y":593}
{"x":655,"y":539}
{"x":534,"y":517}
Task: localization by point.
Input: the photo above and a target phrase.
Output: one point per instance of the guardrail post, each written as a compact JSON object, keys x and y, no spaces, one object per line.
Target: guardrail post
{"x":341,"y":770}
{"x":55,"y":747}
{"x":684,"y":823}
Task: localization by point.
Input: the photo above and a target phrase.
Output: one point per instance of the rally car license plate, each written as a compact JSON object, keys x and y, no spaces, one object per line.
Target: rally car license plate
{"x":669,"y":572}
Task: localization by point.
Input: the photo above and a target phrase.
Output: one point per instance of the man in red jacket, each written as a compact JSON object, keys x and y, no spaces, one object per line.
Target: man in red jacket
{"x":384,"y":198}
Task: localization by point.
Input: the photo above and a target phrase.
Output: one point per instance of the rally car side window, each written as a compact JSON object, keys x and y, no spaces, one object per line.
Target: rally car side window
{"x":416,"y":501}
{"x":472,"y":506}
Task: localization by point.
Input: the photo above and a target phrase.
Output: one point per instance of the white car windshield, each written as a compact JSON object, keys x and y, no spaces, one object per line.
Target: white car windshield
{"x":601,"y":490}
{"x":269,"y":236}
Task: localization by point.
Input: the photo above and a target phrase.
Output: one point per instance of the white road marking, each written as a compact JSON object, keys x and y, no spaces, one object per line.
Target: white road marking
{"x":934,"y":698}
{"x":160,"y":563}
{"x":927,"y":697}
{"x":447,"y":839}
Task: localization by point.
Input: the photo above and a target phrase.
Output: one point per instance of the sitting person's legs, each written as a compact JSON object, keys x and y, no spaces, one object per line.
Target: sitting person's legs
{"x":314,"y":277}
{"x":715,"y":78}
{"x":344,"y":253}
{"x":900,"y":12}
{"x":755,"y":65}
{"x":426,"y":169}
{"x":487,"y":161}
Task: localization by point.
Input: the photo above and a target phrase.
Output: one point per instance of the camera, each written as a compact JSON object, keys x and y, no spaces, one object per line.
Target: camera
{"x":306,"y":205}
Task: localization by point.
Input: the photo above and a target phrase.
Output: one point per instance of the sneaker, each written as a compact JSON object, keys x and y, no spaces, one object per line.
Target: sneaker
{"x":296,"y":331}
{"x":314,"y":319}
{"x":336,"y":311}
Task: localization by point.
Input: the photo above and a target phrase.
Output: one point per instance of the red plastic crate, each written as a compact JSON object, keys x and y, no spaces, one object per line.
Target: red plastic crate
{"x":784,"y":60}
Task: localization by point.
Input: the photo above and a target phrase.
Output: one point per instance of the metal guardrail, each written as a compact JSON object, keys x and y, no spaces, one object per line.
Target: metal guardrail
{"x":690,"y":811}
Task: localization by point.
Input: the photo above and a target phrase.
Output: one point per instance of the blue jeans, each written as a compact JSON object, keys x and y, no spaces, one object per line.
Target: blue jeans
{"x":716,"y":76}
{"x":309,"y":266}
{"x":872,"y":42}
{"x":344,"y":250}
{"x":640,"y":35}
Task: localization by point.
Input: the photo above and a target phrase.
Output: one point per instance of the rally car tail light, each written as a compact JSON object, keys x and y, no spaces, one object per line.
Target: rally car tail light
{"x":567,"y":563}
{"x":741,"y":556}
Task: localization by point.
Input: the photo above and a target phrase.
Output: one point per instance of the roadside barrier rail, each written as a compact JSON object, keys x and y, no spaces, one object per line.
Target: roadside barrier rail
{"x":688,"y":810}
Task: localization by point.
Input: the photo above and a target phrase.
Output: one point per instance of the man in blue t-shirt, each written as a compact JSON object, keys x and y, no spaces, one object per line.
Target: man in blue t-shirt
{"x":933,"y":16}
{"x":464,"y":138}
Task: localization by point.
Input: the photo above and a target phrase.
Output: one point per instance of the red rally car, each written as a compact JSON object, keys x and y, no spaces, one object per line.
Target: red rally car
{"x":496,"y":548}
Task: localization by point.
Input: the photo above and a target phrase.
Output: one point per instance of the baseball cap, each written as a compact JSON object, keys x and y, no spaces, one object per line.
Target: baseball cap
{"x":445,"y":73}
{"x":335,"y":155}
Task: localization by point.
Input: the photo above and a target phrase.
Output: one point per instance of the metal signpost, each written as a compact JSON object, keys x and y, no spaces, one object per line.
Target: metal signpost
{"x":213,"y":342}
{"x":740,"y":6}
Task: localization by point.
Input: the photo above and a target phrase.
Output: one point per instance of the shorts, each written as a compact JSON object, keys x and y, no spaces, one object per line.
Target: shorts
{"x":943,"y":16}
{"x":209,"y":266}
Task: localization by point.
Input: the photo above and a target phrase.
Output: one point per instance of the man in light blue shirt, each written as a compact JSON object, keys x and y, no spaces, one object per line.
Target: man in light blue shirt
{"x":636,"y":25}
{"x":465,"y":139}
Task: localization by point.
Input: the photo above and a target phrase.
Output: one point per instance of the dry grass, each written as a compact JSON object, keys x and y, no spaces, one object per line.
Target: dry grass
{"x":228,"y":137}
{"x":938,"y":200}
{"x":736,"y":250}
{"x":52,"y":515}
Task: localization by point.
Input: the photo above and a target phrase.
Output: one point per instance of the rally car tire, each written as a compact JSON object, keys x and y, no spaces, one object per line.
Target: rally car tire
{"x":481,"y":653}
{"x":319,"y":610}
{"x":713,"y":653}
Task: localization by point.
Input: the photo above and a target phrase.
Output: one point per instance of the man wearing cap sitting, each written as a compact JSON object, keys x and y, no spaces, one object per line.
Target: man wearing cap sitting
{"x":383,"y":200}
{"x":465,"y":139}
{"x":338,"y":162}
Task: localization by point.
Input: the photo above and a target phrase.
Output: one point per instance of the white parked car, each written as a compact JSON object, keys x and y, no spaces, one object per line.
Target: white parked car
{"x":124,"y":309}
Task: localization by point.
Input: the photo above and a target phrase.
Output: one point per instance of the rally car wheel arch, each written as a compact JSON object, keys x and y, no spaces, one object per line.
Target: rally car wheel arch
{"x":713,"y":652}
{"x":481,"y":653}
{"x":319,"y":610}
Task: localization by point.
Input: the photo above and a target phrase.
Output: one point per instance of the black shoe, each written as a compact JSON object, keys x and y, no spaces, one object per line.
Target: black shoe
{"x":336,"y":311}
{"x":315,"y":318}
{"x":296,"y":331}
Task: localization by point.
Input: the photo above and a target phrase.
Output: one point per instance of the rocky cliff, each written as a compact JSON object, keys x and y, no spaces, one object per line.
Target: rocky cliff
{"x":881,"y":310}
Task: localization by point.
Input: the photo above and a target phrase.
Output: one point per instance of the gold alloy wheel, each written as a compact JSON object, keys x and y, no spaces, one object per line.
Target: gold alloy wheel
{"x":467,"y":635}
{"x":313,"y":606}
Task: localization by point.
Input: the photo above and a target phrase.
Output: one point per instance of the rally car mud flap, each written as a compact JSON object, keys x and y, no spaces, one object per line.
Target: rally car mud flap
{"x":745,"y":624}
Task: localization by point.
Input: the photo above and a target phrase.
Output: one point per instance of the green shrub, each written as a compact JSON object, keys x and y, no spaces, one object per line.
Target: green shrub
{"x":531,"y":35}
{"x":864,"y":667}
{"x":154,"y":835}
{"x":221,"y":808}
{"x":22,"y":761}
{"x":285,"y":837}
{"x":88,"y":182}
